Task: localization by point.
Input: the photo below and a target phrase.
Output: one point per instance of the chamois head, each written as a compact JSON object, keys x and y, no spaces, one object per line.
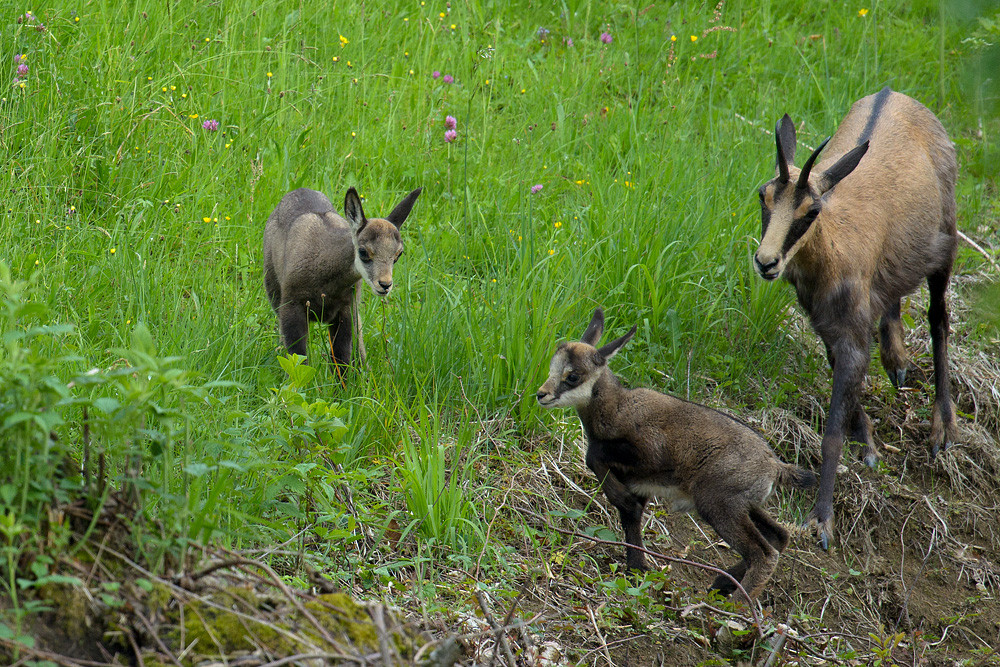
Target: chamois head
{"x":377,"y":243}
{"x":792,"y":200}
{"x":575,"y":367}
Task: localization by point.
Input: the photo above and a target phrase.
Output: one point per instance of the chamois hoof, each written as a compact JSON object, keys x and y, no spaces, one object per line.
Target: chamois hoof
{"x":822,"y":527}
{"x":898,"y":378}
{"x":724,"y":586}
{"x":869,"y":457}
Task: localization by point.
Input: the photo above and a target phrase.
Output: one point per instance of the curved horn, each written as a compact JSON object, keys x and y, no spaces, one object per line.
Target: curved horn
{"x":803,"y":181}
{"x":782,"y":163}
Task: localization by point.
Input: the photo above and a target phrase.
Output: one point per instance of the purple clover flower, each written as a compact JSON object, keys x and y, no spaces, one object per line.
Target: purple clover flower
{"x":450,"y":122}
{"x":535,"y":189}
{"x":450,"y":136}
{"x":211,"y":125}
{"x":436,"y":74}
{"x":448,"y":78}
{"x":606,"y":37}
{"x":22,"y":69}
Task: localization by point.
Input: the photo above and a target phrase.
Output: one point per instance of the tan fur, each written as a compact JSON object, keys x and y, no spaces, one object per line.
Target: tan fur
{"x":885,"y":223}
{"x":641,"y":444}
{"x":315,"y":262}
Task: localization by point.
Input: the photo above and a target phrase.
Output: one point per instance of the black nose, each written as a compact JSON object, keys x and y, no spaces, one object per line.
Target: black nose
{"x":540,"y":395}
{"x":385,"y":284}
{"x":764,"y":268}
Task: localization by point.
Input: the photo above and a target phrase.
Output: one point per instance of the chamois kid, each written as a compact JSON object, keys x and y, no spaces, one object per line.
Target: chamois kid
{"x":315,"y":262}
{"x":854,"y":233}
{"x":641,"y":444}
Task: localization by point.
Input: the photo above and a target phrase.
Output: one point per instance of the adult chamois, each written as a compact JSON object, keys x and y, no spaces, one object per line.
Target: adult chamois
{"x":641,"y":444}
{"x":315,"y":262}
{"x":854,"y":233}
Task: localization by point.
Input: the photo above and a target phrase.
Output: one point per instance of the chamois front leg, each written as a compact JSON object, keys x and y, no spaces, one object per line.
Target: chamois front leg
{"x":294,"y":324}
{"x":630,"y":507}
{"x":891,"y":349}
{"x":944,"y":431}
{"x":340,"y":337}
{"x":848,"y":372}
{"x":859,"y":426}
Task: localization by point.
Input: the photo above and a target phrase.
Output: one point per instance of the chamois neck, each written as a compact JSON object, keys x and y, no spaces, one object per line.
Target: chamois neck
{"x":605,"y":396}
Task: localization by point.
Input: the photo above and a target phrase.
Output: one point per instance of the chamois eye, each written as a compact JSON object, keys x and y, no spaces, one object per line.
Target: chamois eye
{"x":572,"y":378}
{"x":364,"y":256}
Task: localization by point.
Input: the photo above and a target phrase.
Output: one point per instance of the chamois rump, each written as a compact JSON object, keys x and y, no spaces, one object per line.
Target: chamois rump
{"x":854,"y":233}
{"x":641,"y":444}
{"x":315,"y":262}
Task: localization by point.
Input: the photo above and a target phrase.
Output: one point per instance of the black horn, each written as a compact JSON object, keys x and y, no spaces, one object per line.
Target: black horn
{"x":803,"y":181}
{"x":782,"y":162}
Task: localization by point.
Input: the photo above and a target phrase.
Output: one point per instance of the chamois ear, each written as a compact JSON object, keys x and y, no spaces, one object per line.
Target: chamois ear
{"x":594,"y":329}
{"x":398,"y":215}
{"x":611,"y":349}
{"x":784,"y":139}
{"x":353,"y":211}
{"x":842,"y":167}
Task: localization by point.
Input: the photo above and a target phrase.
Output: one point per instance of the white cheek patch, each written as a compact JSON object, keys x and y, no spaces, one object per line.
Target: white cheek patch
{"x":577,"y":397}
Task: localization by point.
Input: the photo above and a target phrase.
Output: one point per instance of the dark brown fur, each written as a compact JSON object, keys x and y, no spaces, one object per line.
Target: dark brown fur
{"x":315,"y":262}
{"x":882,"y":205}
{"x":642,"y":443}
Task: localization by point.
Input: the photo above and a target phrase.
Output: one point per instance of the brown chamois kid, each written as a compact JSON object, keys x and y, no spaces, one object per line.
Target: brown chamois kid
{"x":641,"y":443}
{"x":853,"y":236}
{"x":315,"y":262}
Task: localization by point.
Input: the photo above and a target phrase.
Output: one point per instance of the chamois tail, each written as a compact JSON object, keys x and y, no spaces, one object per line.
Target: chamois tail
{"x":796,"y":477}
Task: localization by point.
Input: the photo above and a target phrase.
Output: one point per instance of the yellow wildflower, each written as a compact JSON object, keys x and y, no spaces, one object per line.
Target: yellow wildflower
{"x":343,"y":41}
{"x":862,"y":13}
{"x":694,"y":38}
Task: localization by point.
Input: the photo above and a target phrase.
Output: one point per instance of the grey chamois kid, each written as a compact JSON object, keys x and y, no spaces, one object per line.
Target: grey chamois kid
{"x":641,"y":444}
{"x":315,"y":262}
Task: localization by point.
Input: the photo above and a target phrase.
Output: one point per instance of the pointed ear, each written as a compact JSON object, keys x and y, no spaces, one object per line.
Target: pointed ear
{"x":594,"y":329}
{"x":611,"y":349}
{"x":784,"y":138}
{"x":402,"y":209}
{"x":842,"y":167}
{"x":353,"y":212}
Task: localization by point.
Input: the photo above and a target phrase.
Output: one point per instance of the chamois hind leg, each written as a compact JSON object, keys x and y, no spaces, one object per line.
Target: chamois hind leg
{"x":760,"y":557}
{"x":944,"y":431}
{"x":891,"y":348}
{"x":294,"y":324}
{"x":273,"y":288}
{"x":772,"y":531}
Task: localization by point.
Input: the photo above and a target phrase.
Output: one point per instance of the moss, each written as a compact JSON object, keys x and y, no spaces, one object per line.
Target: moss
{"x":218,"y":631}
{"x":339,"y":613}
{"x":71,"y":609}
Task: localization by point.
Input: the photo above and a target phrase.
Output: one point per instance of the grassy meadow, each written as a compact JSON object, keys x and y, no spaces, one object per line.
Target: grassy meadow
{"x":144,"y":145}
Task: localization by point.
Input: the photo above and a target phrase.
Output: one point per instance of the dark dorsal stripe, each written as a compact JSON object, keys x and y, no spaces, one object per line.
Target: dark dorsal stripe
{"x":880,"y":99}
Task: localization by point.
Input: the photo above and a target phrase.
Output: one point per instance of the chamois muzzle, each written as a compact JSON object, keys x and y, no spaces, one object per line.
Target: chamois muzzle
{"x":766,"y":269}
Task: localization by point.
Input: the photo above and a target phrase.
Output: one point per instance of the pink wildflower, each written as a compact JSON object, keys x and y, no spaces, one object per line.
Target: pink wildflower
{"x":606,"y":37}
{"x":211,"y":125}
{"x":450,"y":122}
{"x":436,"y":74}
{"x":535,"y":189}
{"x":450,"y":136}
{"x":448,"y":78}
{"x":22,"y":69}
{"x":568,"y":41}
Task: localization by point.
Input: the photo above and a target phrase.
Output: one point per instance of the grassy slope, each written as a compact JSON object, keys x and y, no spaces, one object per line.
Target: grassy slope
{"x":648,"y":150}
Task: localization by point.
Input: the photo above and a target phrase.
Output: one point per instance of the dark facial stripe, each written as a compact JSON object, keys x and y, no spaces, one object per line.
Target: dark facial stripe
{"x":795,"y":232}
{"x":880,"y":99}
{"x":765,"y":220}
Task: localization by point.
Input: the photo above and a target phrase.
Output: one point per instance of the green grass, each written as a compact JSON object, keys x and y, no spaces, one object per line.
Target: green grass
{"x":128,"y":212}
